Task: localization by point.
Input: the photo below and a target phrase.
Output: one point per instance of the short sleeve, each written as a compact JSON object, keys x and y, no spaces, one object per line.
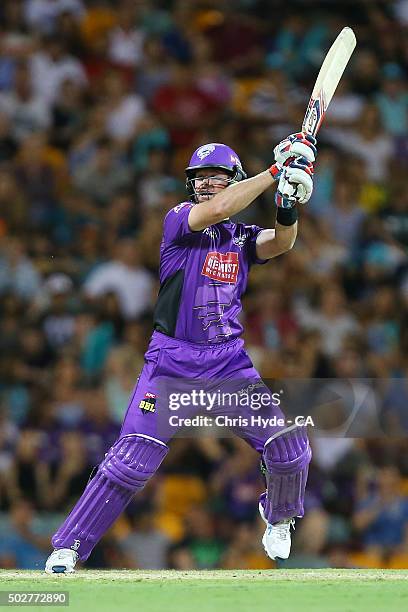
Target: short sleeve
{"x":252,"y":232}
{"x":176,"y":227}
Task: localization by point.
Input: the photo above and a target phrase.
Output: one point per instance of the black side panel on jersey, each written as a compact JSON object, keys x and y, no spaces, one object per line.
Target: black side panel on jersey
{"x":168,"y":304}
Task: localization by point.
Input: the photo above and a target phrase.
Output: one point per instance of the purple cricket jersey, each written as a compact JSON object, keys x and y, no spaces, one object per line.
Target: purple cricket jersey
{"x":203,"y":275}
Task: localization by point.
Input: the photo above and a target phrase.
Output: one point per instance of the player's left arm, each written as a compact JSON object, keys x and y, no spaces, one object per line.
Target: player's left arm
{"x":273,"y":242}
{"x":295,"y":187}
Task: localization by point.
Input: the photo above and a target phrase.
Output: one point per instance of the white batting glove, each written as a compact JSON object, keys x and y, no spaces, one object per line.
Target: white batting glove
{"x":296,"y":145}
{"x":295,"y":183}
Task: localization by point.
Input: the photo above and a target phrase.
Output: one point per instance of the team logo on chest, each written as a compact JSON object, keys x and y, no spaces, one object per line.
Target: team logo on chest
{"x":221,"y":267}
{"x":240,"y":240}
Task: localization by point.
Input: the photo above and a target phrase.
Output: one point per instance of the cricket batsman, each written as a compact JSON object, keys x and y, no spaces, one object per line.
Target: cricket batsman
{"x":204,"y":264}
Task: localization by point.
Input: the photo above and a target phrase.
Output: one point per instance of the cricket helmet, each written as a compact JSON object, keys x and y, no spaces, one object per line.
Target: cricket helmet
{"x":214,"y":155}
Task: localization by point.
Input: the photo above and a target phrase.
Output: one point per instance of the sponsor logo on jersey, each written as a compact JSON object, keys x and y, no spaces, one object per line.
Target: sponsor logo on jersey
{"x":221,"y":267}
{"x":205,"y":150}
{"x":148,"y":404}
{"x":210,"y":231}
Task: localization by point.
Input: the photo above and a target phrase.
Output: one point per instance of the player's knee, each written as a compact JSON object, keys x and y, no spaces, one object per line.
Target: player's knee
{"x":287,"y":451}
{"x":132,"y":460}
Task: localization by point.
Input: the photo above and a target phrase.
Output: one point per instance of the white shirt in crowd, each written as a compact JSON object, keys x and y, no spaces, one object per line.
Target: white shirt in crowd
{"x":124,"y":118}
{"x":345,"y":108}
{"x":132,"y":286}
{"x":376,"y":153}
{"x":26,"y":116}
{"x":42,"y":14}
{"x":333,"y":330}
{"x":125,"y":48}
{"x":47,"y":76}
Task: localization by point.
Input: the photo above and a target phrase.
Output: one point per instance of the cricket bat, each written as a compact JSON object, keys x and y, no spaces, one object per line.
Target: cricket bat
{"x":327,"y":80}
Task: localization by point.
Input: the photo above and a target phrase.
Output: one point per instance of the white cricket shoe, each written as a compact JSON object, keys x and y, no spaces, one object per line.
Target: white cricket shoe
{"x":277,"y":538}
{"x":61,"y":561}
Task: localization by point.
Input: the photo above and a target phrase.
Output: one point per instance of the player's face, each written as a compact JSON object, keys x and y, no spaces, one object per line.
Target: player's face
{"x":208,"y":182}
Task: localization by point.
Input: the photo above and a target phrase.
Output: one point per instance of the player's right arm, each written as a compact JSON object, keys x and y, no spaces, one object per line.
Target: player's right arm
{"x":238,"y":196}
{"x":229,"y":201}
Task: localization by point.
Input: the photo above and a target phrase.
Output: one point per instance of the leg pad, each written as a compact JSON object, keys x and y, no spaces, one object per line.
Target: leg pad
{"x":127,"y":467}
{"x":286,"y":457}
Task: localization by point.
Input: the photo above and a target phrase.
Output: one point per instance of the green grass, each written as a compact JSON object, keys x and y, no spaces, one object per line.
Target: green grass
{"x":221,"y":591}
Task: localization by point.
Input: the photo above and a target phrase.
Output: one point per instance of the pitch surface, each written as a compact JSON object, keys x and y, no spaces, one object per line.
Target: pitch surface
{"x":220,"y":591}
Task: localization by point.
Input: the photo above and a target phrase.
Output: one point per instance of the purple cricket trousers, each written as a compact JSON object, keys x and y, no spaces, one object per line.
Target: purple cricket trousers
{"x":174,"y":366}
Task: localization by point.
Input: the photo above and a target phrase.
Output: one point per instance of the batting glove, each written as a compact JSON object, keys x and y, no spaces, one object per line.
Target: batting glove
{"x":296,"y":145}
{"x":295,"y":183}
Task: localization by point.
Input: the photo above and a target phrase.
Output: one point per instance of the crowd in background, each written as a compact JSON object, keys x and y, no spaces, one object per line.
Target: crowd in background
{"x":101,"y":105}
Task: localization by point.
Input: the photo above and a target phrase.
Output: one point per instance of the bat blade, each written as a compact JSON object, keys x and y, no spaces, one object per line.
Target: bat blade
{"x":327,"y":80}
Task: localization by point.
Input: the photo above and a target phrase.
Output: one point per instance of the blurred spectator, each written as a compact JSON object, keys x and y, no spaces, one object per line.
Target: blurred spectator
{"x":201,"y":544}
{"x":104,"y":175}
{"x":331,"y":319}
{"x":345,"y":218}
{"x":17,"y":273}
{"x":243,"y":553}
{"x":12,"y":218}
{"x":96,"y":339}
{"x":154,"y":71}
{"x":157,"y":181}
{"x":272,"y":322}
{"x":145,"y":546}
{"x":24,"y":108}
{"x":67,"y":396}
{"x":37,"y":178}
{"x":99,"y":429}
{"x":64,"y":480}
{"x":238,"y":484}
{"x":8,"y":144}
{"x":16,"y":40}
{"x":381,"y":515}
{"x":57,"y":318}
{"x":25,"y":479}
{"x":383,"y":326}
{"x":21,"y":543}
{"x":126,"y":39}
{"x":125,"y":277}
{"x":122,"y":367}
{"x":182,"y":107}
{"x":51,"y":66}
{"x":43,"y":14}
{"x":150,"y":136}
{"x":124,"y":109}
{"x":392,"y":100}
{"x":67,"y":114}
{"x":264,"y":96}
{"x":8,"y":439}
{"x":368,"y":141}
{"x":366,"y":75}
{"x":345,"y":107}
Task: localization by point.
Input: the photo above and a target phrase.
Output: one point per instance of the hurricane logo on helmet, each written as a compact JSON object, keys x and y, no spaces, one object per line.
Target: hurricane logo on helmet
{"x":236,"y":161}
{"x":205,"y":150}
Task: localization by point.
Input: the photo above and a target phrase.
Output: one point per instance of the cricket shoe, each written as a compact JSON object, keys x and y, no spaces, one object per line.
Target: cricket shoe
{"x":277,"y":538}
{"x":61,"y":561}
